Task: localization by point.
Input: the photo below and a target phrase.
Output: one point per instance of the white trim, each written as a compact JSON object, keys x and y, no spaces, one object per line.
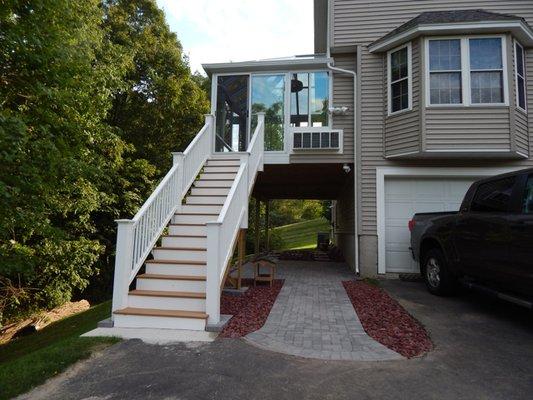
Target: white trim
{"x":403,"y":154}
{"x":518,"y":28}
{"x":466,"y":90}
{"x":409,"y":78}
{"x":278,"y":65}
{"x":517,"y":44}
{"x":416,"y":172}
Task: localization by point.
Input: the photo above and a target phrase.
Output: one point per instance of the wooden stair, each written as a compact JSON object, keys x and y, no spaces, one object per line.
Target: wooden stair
{"x":171,"y":294}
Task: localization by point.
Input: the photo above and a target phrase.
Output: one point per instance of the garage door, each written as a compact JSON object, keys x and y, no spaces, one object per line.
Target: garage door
{"x":407,"y":196}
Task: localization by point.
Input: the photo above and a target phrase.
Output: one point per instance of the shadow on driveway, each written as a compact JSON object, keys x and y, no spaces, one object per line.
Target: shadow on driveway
{"x":483,"y":350}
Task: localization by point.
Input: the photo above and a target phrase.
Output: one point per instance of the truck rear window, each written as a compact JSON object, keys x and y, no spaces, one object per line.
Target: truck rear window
{"x":493,"y":196}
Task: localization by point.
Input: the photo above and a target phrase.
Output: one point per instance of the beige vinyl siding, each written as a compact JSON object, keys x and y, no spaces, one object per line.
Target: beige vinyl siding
{"x":467,"y":128}
{"x":522,"y":132}
{"x":402,"y":131}
{"x":362,"y":22}
{"x":359,"y":22}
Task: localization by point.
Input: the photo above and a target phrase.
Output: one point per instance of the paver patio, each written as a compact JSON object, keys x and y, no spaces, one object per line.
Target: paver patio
{"x":313,"y":316}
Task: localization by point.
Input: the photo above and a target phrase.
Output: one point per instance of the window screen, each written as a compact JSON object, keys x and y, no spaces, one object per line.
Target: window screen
{"x":399,"y":80}
{"x":493,"y":196}
{"x":445,"y":71}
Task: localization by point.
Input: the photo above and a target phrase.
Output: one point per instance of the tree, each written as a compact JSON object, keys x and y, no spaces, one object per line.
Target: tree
{"x":59,"y":158}
{"x":161,"y":108}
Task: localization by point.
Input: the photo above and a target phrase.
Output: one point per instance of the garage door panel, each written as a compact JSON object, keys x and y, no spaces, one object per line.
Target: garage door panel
{"x":398,"y":210}
{"x":406,"y":196}
{"x":400,"y":261}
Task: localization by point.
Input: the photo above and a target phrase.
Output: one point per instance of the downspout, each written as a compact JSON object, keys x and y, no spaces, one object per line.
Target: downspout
{"x":355,"y":171}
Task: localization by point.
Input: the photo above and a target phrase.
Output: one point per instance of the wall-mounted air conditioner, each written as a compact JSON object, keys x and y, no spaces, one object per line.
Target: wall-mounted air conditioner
{"x":317,"y":140}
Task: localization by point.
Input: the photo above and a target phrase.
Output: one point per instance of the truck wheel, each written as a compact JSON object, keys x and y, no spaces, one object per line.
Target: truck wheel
{"x":438,"y":278}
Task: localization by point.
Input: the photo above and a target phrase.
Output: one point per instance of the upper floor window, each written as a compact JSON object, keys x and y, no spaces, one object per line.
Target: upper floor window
{"x":399,"y":79}
{"x":520,"y":70}
{"x":467,"y":71}
{"x":445,"y":71}
{"x":486,"y":70}
{"x":309,"y":99}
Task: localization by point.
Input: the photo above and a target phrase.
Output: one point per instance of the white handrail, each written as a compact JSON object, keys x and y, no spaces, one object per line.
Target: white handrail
{"x":137,"y":237}
{"x":222,"y":234}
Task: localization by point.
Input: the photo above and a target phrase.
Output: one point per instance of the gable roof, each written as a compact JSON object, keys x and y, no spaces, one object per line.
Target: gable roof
{"x":456,"y":18}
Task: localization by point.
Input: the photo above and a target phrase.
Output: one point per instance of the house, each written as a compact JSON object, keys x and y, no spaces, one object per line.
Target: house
{"x":403,"y":105}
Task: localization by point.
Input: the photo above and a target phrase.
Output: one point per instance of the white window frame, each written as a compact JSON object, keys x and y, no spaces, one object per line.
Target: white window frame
{"x":517,"y":44}
{"x":465,"y":72}
{"x":409,"y":79}
{"x":309,"y":118}
{"x":287,"y":144}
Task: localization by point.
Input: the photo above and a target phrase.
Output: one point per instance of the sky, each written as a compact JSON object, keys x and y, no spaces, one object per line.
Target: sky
{"x":239,"y":30}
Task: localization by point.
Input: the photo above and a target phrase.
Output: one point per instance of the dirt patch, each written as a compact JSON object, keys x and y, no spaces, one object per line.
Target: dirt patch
{"x":250,"y":311}
{"x":43,"y":319}
{"x":386,"y":321}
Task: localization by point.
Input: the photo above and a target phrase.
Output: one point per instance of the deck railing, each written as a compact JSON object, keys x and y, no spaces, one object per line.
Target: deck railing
{"x":137,"y":237}
{"x":223,"y":233}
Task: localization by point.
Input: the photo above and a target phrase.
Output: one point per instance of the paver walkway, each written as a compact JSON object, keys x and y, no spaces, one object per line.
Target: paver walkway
{"x":313,"y":316}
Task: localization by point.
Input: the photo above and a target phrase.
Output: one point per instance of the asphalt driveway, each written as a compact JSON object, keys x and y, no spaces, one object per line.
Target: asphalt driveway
{"x":484,"y":350}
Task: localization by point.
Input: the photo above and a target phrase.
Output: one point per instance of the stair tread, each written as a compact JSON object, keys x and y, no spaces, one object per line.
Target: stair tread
{"x":194,"y":205}
{"x":218,"y":180}
{"x":176,"y":262}
{"x":180,"y":248}
{"x":186,"y":236}
{"x":186,"y":224}
{"x":204,"y":213}
{"x":206,"y":195}
{"x":165,"y":293}
{"x":173,"y":277}
{"x":152,"y":312}
{"x":211,"y":187}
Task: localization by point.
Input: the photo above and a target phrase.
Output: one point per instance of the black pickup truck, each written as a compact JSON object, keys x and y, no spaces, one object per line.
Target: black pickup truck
{"x":487,"y":244}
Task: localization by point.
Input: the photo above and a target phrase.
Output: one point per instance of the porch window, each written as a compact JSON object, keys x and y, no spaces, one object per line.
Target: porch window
{"x":309,"y":99}
{"x":399,"y":79}
{"x":520,"y":76}
{"x":268,"y":94}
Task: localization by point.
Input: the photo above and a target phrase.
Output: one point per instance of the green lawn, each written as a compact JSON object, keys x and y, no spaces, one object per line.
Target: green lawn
{"x":28,"y":361}
{"x":302,"y":235}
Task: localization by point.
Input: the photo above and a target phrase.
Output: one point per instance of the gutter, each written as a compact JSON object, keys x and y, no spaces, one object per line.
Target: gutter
{"x":334,"y":69}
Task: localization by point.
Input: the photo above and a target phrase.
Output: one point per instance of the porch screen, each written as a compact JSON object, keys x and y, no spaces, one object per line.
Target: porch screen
{"x":232,"y":113}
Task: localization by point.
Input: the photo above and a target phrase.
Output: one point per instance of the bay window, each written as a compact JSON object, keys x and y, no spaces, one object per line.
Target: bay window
{"x":445,"y":71}
{"x":486,"y":70}
{"x":466,"y":71}
{"x":399,"y":79}
{"x":520,"y":72}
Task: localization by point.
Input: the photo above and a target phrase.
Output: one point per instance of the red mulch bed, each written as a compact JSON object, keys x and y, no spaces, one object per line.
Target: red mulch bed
{"x":250,"y":310}
{"x":386,"y":321}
